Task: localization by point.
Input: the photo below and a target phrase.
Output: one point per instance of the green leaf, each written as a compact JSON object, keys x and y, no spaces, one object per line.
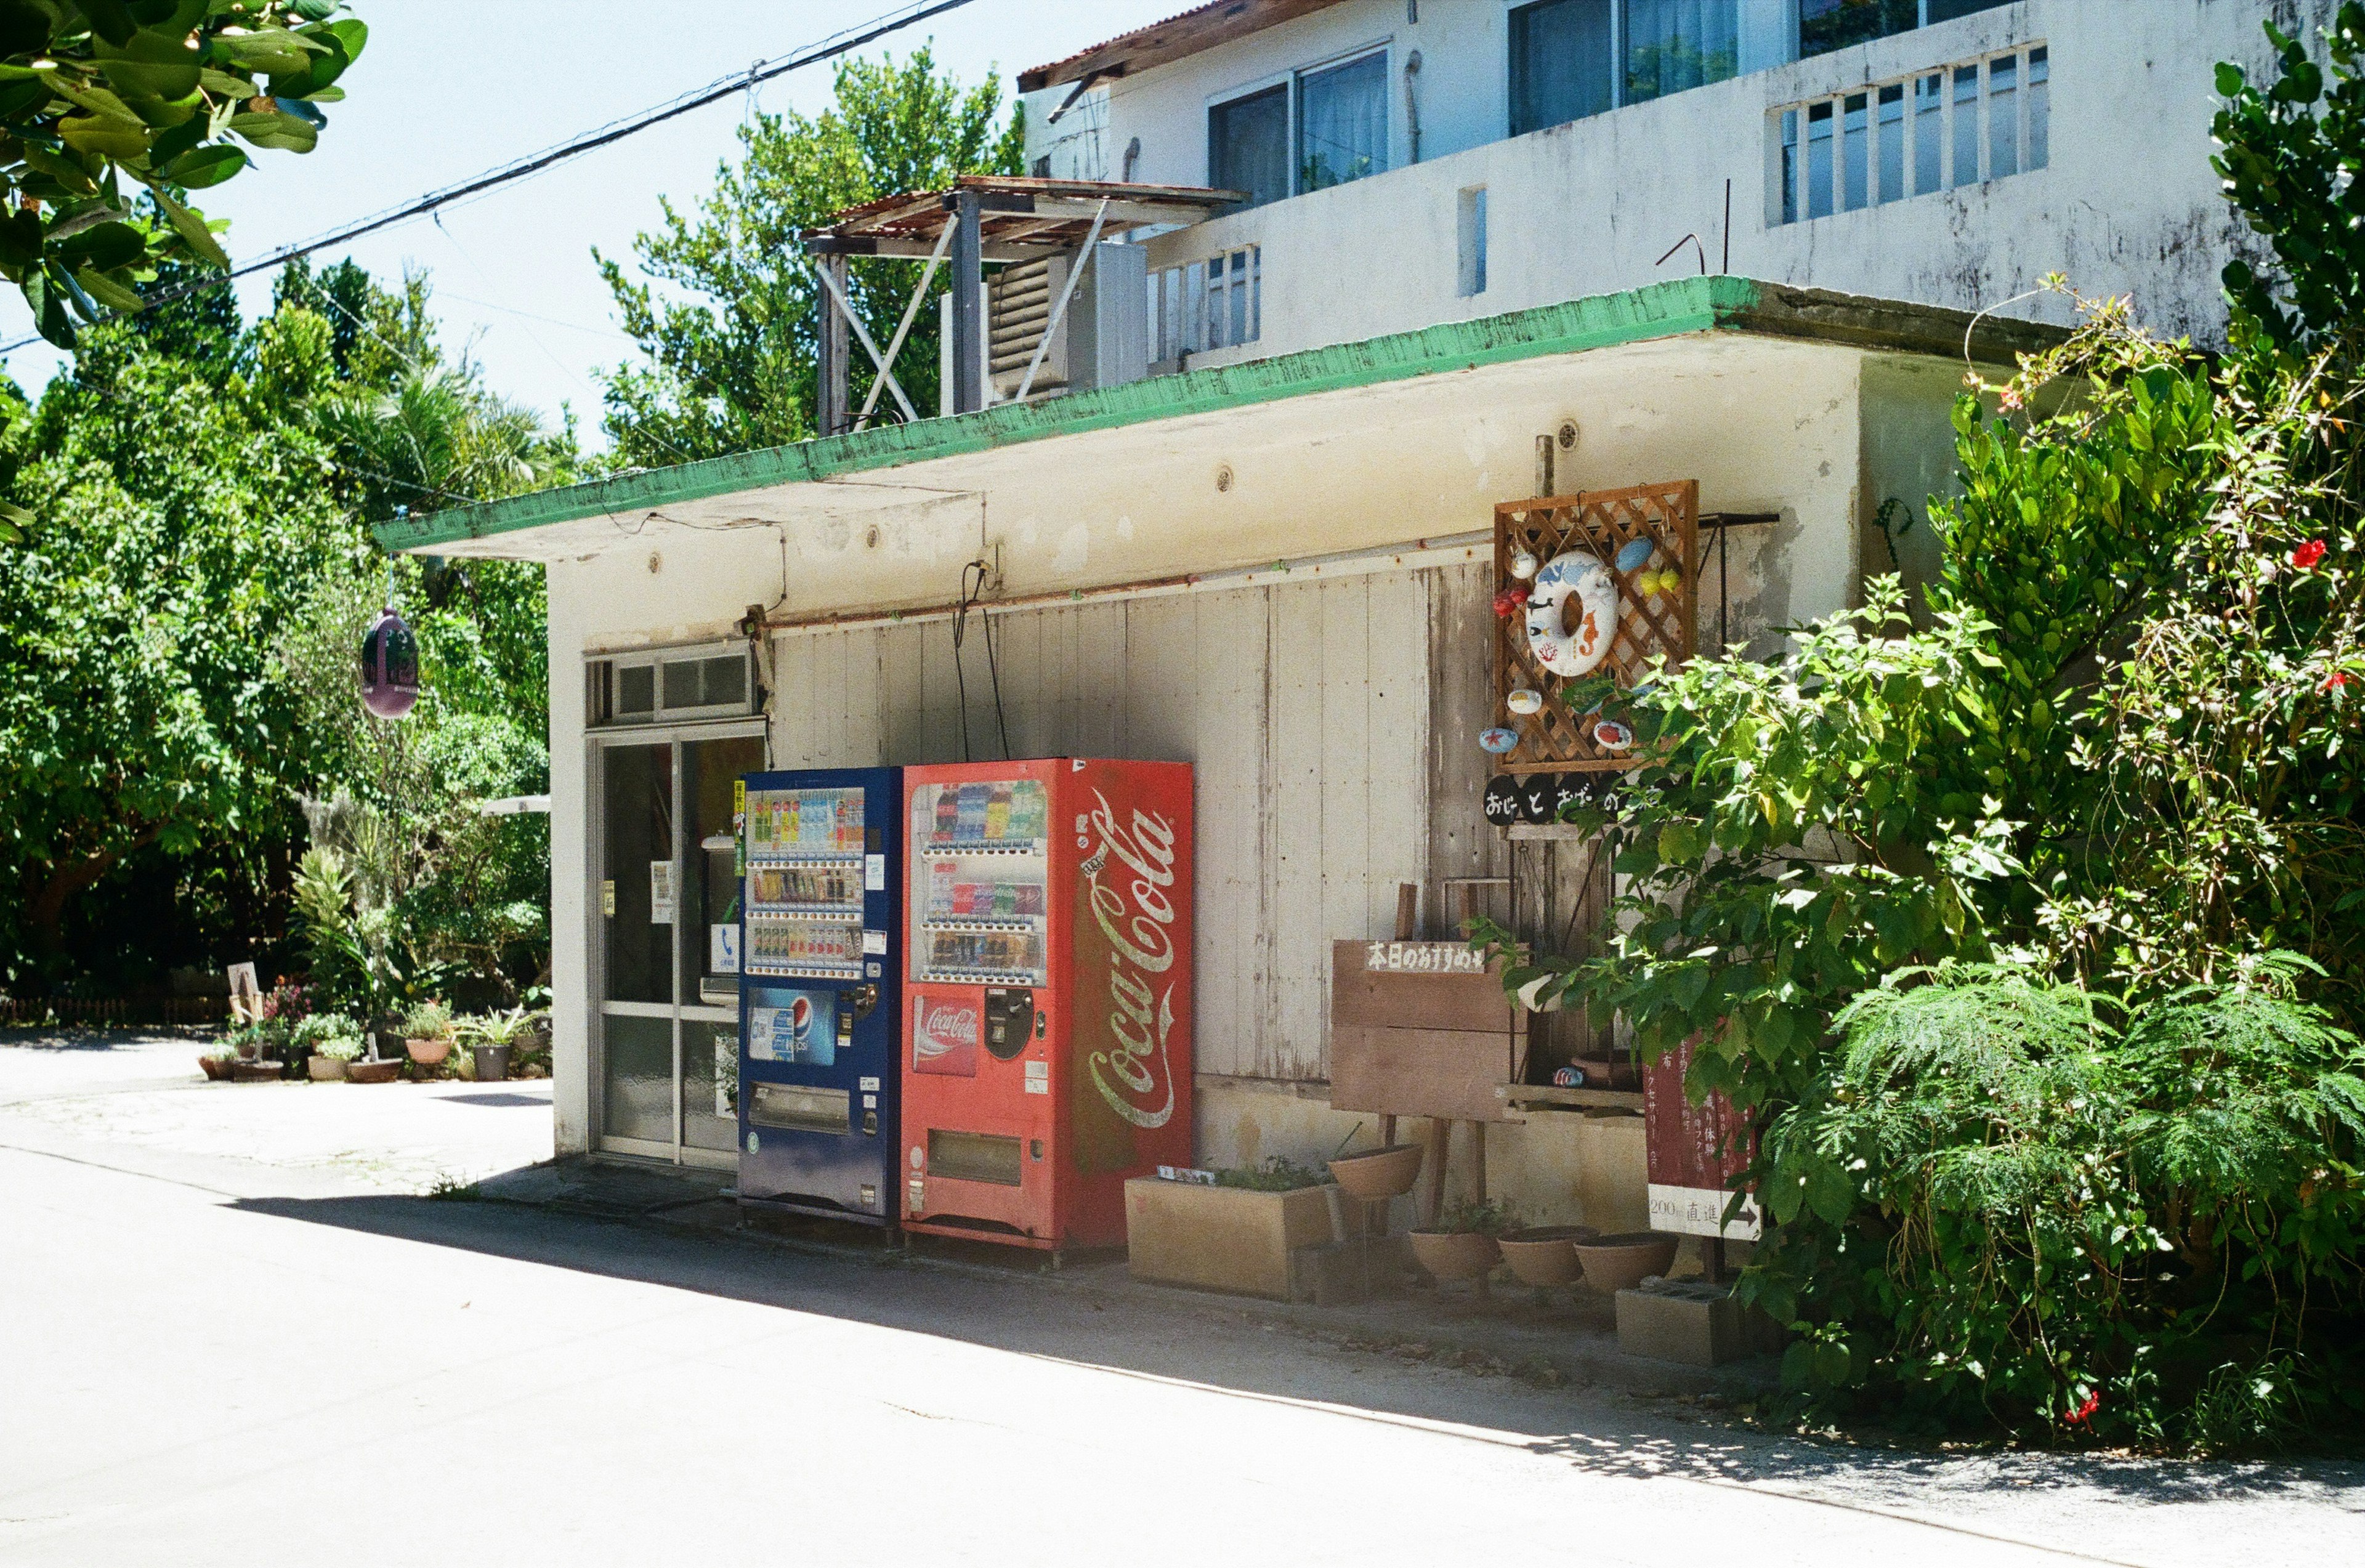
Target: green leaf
{"x":106,"y":246}
{"x":16,"y":523}
{"x":204,"y":166}
{"x":276,"y":132}
{"x":108,"y":137}
{"x":110,"y":19}
{"x":109,"y":293}
{"x":192,"y":230}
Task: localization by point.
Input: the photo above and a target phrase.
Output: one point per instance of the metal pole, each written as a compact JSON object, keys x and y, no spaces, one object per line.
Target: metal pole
{"x":969,"y":304}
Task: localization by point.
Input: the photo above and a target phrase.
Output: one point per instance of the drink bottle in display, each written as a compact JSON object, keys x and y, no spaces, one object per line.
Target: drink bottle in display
{"x":947,"y":814}
{"x":997,"y":813}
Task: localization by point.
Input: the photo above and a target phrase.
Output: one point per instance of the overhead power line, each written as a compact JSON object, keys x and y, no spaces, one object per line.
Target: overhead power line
{"x":722,"y":87}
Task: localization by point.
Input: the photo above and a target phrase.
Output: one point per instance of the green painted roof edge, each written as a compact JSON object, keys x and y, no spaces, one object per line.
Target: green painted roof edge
{"x":1666,"y":309}
{"x":1602,"y":321}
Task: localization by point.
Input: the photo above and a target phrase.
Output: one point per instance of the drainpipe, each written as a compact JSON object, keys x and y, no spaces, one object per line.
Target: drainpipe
{"x":1412,"y":105}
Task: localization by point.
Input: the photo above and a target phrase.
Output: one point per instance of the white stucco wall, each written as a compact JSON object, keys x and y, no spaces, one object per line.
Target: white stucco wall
{"x":2127,"y":205}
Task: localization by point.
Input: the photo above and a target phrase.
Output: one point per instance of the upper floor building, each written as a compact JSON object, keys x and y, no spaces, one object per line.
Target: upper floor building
{"x":1406,"y":163}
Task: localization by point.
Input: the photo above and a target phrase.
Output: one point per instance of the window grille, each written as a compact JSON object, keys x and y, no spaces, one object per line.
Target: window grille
{"x":1962,"y":124}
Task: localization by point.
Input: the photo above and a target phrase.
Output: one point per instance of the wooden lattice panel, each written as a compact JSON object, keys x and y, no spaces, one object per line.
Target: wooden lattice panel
{"x":1555,"y":740}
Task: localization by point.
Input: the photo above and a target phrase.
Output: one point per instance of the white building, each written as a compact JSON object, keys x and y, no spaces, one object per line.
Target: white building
{"x":1270,"y":556}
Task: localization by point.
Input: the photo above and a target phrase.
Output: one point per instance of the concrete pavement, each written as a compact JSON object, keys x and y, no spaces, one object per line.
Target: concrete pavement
{"x":270,"y":1356}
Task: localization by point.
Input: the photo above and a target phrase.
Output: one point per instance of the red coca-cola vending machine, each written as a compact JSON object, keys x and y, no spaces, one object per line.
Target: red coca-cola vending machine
{"x":1047,"y":1013}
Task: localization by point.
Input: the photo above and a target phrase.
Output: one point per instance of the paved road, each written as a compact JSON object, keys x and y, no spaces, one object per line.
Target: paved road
{"x":260,"y":1357}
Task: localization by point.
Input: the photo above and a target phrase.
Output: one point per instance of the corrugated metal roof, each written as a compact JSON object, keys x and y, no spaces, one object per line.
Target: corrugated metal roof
{"x":1185,"y":33}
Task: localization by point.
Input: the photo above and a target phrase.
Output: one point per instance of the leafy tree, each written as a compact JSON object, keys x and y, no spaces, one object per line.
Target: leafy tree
{"x":137,"y":702}
{"x":731,"y":367}
{"x":177,"y":640}
{"x":157,"y":92}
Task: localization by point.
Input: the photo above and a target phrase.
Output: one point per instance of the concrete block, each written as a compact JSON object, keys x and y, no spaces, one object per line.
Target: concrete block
{"x":1693,"y":1322}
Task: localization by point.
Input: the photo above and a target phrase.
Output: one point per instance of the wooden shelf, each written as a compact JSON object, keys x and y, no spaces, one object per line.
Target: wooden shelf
{"x":1517,"y":1094}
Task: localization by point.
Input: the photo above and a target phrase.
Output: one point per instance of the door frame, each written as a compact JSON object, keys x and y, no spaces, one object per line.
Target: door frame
{"x":597,"y":1008}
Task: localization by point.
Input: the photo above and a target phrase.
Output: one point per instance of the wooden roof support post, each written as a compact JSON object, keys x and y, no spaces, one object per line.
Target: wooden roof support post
{"x":832,"y":378}
{"x":968,"y":303}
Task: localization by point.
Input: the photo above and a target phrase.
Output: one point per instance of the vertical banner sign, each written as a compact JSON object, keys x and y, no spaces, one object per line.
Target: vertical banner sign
{"x":1691,"y":1152}
{"x":1131,"y":1059}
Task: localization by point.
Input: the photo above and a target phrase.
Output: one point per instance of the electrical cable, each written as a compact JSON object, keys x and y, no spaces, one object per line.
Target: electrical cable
{"x":843,"y":42}
{"x":972,"y":594}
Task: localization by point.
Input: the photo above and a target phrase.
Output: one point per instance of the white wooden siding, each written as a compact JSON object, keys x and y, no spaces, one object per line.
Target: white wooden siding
{"x":1309,"y":709}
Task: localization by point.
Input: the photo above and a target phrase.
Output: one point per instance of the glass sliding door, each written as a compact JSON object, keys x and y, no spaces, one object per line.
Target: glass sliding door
{"x":708,"y":1031}
{"x":666,"y":888}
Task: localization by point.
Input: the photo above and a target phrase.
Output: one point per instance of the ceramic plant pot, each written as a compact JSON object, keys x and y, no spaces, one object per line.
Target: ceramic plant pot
{"x":428,"y":1052}
{"x":1381,"y":1174}
{"x":1614,"y":1263}
{"x":1451,"y":1255}
{"x":214,"y":1070}
{"x":256,"y":1072}
{"x":325,"y":1069}
{"x":492,"y":1063}
{"x":1545,"y":1255}
{"x":383,"y":1070}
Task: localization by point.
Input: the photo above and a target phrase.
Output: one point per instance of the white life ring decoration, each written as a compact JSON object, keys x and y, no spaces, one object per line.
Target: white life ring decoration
{"x":1573,"y":640}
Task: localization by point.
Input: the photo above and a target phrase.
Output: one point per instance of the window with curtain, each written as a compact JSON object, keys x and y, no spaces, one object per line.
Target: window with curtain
{"x":1562,"y":59}
{"x":1672,"y":45}
{"x":1828,"y":25}
{"x":1247,"y":145}
{"x":1342,"y":122}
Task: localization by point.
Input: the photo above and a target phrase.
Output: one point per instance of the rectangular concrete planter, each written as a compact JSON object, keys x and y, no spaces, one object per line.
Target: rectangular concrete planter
{"x":1222,"y":1239}
{"x":1694,"y":1322}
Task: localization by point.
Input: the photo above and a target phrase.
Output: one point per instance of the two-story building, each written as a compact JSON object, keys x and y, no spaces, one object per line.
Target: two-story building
{"x":1228,"y":467}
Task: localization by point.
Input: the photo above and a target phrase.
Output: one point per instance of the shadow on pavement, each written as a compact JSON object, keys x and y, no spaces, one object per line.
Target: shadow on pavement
{"x":1211,"y":1341}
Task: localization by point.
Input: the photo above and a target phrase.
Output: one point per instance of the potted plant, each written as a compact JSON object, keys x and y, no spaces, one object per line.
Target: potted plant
{"x":1463,"y":1244}
{"x":492,"y":1036}
{"x":427,"y":1033}
{"x":326,"y":1041}
{"x":1228,"y":1230}
{"x":217,"y":1060}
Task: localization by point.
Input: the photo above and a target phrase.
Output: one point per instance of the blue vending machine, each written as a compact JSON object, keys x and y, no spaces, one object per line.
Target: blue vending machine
{"x":820,"y":913}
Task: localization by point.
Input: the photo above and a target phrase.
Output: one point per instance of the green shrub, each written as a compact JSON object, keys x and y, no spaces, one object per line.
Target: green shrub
{"x":1276,"y":1173}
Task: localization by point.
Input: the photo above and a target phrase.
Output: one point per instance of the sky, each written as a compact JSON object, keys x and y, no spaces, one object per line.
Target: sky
{"x":450,"y":88}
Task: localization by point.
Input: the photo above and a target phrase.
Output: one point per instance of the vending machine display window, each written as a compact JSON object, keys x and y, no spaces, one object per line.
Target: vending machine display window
{"x":979,"y":871}
{"x":807,"y":872}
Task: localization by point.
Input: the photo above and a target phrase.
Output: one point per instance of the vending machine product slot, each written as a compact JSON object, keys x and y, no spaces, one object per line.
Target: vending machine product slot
{"x":787,"y":1105}
{"x":974,"y":1157}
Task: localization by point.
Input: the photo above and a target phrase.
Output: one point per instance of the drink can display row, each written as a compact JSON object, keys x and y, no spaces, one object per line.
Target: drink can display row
{"x":804,"y":885}
{"x":988,"y":814}
{"x":950,"y":898}
{"x":800,"y":944}
{"x":810,"y":820}
{"x":997,"y":952}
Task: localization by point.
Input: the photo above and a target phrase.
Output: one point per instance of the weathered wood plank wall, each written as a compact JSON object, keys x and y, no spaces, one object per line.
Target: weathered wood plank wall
{"x":1333,"y":726}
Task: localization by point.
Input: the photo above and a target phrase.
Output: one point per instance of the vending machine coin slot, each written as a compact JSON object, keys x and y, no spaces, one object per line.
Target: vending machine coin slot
{"x":1007,"y":1013}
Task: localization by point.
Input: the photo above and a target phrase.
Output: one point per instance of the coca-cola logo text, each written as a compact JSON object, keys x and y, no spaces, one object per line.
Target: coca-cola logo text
{"x":944,"y":1026}
{"x":1136,"y":1078}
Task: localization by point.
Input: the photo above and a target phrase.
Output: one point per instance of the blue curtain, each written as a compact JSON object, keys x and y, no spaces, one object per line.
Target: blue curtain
{"x":1674,"y":44}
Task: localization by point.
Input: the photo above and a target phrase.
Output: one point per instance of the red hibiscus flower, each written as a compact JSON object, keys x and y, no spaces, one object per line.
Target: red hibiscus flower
{"x":1510,"y":602}
{"x":2308,"y":554}
{"x":2084,"y":1413}
{"x":2335,"y":680}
